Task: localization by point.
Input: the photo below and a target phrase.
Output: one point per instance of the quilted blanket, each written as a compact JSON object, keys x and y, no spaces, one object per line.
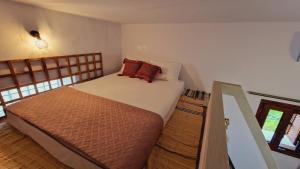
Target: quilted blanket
{"x":108,"y":133}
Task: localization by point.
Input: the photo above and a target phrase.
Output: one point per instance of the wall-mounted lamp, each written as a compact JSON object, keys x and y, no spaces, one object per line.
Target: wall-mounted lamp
{"x":39,"y":43}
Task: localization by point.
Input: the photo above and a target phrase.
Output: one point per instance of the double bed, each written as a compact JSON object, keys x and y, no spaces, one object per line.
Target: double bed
{"x":156,"y":99}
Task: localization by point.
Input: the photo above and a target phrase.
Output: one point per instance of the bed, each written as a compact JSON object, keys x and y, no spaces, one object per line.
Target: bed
{"x":159,"y":97}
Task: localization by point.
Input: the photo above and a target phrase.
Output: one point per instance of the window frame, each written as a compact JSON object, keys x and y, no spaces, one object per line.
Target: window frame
{"x":288,"y":111}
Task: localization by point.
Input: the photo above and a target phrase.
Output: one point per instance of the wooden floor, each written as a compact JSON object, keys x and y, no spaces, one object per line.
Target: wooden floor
{"x":18,"y":151}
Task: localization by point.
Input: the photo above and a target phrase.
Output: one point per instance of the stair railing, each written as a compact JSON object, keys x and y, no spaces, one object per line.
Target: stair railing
{"x":214,"y":154}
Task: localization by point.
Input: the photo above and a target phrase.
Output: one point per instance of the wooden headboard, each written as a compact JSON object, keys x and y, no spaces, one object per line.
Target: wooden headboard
{"x":27,"y":77}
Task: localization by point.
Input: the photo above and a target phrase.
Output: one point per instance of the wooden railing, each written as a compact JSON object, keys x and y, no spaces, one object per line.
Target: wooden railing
{"x":214,"y":147}
{"x":214,"y":154}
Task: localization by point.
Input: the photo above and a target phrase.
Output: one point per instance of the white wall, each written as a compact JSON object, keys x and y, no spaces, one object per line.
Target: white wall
{"x":255,"y":55}
{"x":66,"y":34}
{"x":259,"y":56}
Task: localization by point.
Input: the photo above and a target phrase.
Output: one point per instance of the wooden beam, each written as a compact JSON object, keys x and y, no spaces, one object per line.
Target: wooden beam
{"x":214,"y":147}
{"x":58,"y":70}
{"x":87,"y":67}
{"x":79,"y":68}
{"x":101,"y":64}
{"x":28,"y":63}
{"x":14,"y":77}
{"x":46,"y":72}
{"x":69,"y":69}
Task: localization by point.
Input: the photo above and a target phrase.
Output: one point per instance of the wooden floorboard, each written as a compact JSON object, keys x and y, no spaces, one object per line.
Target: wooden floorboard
{"x":18,"y":151}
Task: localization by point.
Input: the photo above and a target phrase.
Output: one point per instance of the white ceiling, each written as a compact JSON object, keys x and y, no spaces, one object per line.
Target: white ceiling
{"x":176,"y":11}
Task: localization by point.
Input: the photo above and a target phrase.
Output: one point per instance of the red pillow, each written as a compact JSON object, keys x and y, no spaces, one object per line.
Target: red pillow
{"x":131,"y":67}
{"x":148,"y":72}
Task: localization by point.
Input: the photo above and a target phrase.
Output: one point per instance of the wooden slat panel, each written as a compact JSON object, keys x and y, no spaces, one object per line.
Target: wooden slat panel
{"x":12,"y":71}
{"x":46,"y":72}
{"x":79,"y":68}
{"x":4,"y":70}
{"x":87,"y":67}
{"x":94,"y":62}
{"x":69,"y":69}
{"x":58,"y":70}
{"x":2,"y":103}
{"x":24,"y":72}
{"x":101,"y":63}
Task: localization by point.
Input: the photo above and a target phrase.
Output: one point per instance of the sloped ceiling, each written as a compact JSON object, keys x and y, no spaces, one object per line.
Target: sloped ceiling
{"x":176,"y":11}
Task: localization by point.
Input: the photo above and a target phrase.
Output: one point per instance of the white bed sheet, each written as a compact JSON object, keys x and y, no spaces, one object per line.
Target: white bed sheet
{"x":158,"y":96}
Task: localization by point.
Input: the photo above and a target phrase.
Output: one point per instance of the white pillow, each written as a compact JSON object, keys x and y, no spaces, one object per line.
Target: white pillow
{"x":170,"y":70}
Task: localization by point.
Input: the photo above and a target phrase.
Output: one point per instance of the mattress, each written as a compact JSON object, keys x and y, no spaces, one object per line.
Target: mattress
{"x":106,"y":132}
{"x":159,"y":97}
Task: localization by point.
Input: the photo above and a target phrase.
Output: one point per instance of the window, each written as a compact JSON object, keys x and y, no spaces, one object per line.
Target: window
{"x":271,"y":123}
{"x":67,"y":80}
{"x":2,"y":114}
{"x":44,"y":86}
{"x":75,"y":78}
{"x":10,"y":95}
{"x":292,"y":136}
{"x":55,"y":83}
{"x":27,"y":90}
{"x":280,"y":123}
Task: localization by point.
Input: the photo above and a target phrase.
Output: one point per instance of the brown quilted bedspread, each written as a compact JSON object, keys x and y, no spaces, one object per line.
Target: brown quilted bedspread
{"x":110,"y":134}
